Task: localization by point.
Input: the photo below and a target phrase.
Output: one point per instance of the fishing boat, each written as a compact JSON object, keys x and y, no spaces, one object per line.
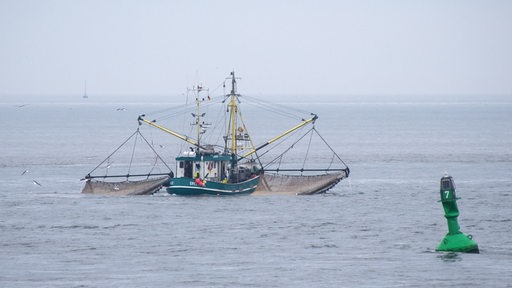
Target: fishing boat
{"x":226,"y":164}
{"x":235,"y":166}
{"x":205,"y":170}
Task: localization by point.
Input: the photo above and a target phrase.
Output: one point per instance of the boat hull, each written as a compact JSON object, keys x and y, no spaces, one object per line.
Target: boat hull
{"x":188,"y":187}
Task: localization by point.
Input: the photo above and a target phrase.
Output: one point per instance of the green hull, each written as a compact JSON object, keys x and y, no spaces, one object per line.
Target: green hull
{"x":187,"y":187}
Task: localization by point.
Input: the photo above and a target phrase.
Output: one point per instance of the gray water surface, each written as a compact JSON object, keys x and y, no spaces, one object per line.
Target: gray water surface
{"x":379,"y":228}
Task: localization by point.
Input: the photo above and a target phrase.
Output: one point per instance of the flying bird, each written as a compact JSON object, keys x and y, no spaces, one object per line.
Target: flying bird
{"x":36,"y":183}
{"x":24,"y":172}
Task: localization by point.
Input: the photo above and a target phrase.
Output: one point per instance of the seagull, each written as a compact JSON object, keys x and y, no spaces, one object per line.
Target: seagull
{"x":23,"y":173}
{"x":36,"y":183}
{"x":121,"y":109}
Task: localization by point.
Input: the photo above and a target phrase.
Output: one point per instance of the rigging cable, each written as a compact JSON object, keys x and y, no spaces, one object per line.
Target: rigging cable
{"x":154,"y":151}
{"x":250,"y":138}
{"x":282,"y":110}
{"x":147,"y":142}
{"x":133,"y":153}
{"x":137,"y":132}
{"x":309,"y":146}
{"x":108,"y":157}
{"x":289,"y":148}
{"x":327,"y":144}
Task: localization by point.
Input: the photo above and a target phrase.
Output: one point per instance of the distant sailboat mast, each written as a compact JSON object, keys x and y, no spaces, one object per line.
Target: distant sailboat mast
{"x":85,"y":90}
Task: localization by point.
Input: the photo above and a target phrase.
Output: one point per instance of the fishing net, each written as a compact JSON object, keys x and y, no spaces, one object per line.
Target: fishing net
{"x":306,"y":170}
{"x":138,"y":181}
{"x":298,"y":184}
{"x":140,"y":187}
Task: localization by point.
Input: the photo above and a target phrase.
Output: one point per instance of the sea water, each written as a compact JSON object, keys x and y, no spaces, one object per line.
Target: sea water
{"x":378,"y":228}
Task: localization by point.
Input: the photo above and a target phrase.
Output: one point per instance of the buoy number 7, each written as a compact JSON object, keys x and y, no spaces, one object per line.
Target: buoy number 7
{"x":447,"y":193}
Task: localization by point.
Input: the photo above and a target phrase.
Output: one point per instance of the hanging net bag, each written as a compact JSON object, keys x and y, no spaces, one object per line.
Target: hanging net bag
{"x":135,"y":181}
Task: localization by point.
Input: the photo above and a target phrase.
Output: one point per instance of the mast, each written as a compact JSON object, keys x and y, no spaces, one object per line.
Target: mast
{"x":233,"y":109}
{"x":85,"y":90}
{"x":198,"y":118}
{"x":198,"y":115}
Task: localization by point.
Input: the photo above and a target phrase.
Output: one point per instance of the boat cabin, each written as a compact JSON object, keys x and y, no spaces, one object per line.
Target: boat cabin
{"x":207,"y":166}
{"x":212,"y":167}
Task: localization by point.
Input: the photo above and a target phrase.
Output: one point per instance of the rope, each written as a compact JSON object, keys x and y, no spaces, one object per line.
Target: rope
{"x":327,"y":144}
{"x":108,"y":157}
{"x":133,"y":153}
{"x":332,"y":161}
{"x":136,"y":133}
{"x":279,"y":158}
{"x":147,"y":142}
{"x":309,"y":146}
{"x":250,"y":138}
{"x":276,"y":108}
{"x":108,"y":166}
{"x":289,"y":148}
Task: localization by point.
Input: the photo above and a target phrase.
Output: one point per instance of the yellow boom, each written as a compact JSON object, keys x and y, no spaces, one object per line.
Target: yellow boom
{"x":304,"y":122}
{"x":185,"y":138}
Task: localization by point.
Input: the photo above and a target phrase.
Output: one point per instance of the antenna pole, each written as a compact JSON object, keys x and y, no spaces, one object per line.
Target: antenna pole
{"x":232,"y":105}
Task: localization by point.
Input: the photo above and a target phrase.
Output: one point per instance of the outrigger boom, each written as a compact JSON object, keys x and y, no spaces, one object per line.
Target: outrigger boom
{"x":304,"y":122}
{"x":191,"y":141}
{"x":185,"y":138}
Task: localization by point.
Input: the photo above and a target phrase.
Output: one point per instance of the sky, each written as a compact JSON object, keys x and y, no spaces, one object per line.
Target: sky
{"x":286,"y":47}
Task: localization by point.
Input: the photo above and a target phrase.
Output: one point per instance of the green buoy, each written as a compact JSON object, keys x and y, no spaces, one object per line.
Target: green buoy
{"x":454,"y":241}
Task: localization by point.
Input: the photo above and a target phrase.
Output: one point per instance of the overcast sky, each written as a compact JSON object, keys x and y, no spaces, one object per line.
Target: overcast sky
{"x":278,"y":47}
